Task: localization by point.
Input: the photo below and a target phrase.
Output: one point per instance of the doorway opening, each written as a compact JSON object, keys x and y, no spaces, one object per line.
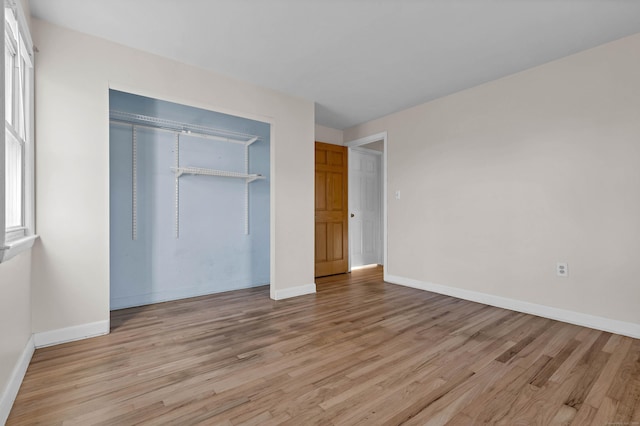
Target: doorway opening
{"x":367,"y":201}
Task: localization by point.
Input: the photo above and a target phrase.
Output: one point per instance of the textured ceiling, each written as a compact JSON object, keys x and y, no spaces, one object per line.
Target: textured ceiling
{"x":357,"y":59}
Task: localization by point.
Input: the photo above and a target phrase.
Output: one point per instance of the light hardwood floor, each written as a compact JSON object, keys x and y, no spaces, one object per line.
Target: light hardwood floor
{"x":358,"y":352}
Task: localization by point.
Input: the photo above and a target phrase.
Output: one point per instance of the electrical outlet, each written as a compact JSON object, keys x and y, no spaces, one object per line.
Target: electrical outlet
{"x":562,"y":269}
{"x":398,"y":194}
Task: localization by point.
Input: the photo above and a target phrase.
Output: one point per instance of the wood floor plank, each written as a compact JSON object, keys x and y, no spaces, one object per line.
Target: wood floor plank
{"x":446,"y":408}
{"x":359,"y":351}
{"x":541,"y":378}
{"x":626,"y":373}
{"x":502,"y":403}
{"x":606,"y":412}
{"x":584,"y":416}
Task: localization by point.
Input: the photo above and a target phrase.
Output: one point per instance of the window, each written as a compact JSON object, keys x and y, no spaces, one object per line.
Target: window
{"x":18,"y":136}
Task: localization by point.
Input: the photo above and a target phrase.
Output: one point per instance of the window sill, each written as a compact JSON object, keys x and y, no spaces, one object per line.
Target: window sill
{"x":14,"y":248}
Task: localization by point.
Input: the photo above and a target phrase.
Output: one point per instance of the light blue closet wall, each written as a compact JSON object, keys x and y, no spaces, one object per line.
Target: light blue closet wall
{"x":212,"y":253}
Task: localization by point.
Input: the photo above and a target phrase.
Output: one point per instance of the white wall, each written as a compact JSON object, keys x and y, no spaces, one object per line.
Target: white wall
{"x":376,"y":146}
{"x":501,"y":181}
{"x":74,"y":73}
{"x":15,"y":313}
{"x":15,"y":318}
{"x":329,"y":135}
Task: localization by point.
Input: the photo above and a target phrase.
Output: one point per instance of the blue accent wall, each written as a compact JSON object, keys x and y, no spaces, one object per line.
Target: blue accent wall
{"x":212,"y":254}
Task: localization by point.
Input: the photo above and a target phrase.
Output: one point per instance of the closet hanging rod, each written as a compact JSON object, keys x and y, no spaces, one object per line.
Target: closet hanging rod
{"x":177,"y":125}
{"x":175,"y":132}
{"x":181,"y":128}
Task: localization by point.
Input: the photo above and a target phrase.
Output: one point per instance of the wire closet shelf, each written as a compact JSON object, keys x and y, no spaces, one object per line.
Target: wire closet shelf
{"x":179,"y":128}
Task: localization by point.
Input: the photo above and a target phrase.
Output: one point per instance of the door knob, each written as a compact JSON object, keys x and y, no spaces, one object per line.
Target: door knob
{"x":353,"y":215}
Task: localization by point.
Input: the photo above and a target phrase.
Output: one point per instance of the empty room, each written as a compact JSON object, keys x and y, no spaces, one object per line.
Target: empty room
{"x":298,"y":212}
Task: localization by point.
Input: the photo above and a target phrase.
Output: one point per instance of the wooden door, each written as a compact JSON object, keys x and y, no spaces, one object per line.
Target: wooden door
{"x":332,"y":234}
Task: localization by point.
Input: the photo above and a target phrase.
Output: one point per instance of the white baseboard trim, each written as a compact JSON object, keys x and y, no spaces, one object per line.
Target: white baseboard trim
{"x":69,"y":334}
{"x":300,"y":290}
{"x":13,"y":386}
{"x":599,"y":323}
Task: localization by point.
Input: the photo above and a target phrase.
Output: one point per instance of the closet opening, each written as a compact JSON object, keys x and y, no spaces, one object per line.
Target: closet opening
{"x":189,"y":201}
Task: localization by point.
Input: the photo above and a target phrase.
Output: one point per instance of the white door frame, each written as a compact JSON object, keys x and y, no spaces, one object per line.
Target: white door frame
{"x":363,"y":141}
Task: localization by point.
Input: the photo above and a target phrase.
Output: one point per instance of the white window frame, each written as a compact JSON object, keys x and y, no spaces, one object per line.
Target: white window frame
{"x":17,"y":239}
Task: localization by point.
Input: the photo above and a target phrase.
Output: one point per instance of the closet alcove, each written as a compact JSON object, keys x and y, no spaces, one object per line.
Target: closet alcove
{"x":189,"y":201}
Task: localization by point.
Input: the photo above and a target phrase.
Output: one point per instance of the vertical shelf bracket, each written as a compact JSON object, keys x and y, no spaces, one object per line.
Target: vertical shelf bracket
{"x":246,"y":184}
{"x":177,"y":197}
{"x":246,"y":190}
{"x":134,"y":185}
